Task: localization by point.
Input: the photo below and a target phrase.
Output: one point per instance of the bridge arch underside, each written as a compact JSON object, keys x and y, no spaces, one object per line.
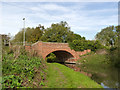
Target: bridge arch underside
{"x":62,"y":56}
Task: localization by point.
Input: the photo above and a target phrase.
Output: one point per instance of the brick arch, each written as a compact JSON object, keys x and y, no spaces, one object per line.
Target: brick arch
{"x":62,"y":55}
{"x":58,"y":50}
{"x":44,"y":48}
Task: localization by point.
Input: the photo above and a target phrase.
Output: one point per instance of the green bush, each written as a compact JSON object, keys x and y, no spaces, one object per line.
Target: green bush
{"x":22,"y":68}
{"x":11,"y":81}
{"x":81,"y":45}
{"x":51,"y":57}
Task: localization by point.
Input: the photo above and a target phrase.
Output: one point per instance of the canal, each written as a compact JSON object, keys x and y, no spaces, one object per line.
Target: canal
{"x":109,"y":79}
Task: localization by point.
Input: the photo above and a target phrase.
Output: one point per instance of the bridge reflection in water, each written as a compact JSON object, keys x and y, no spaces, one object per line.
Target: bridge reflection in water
{"x":76,"y":68}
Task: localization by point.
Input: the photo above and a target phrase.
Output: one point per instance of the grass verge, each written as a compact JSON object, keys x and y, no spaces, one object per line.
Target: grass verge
{"x":60,"y":76}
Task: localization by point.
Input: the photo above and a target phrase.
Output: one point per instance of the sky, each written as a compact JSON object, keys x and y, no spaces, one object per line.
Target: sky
{"x":84,"y":18}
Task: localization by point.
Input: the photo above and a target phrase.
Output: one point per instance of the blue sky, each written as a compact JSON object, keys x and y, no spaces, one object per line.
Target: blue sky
{"x":84,"y":18}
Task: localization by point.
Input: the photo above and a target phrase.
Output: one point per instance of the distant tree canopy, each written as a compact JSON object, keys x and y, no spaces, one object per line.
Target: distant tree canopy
{"x":59,"y":32}
{"x":31,"y":34}
{"x":108,"y":36}
{"x":82,"y":44}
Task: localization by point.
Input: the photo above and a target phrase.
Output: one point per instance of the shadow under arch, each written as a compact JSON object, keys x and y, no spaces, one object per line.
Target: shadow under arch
{"x":62,"y":56}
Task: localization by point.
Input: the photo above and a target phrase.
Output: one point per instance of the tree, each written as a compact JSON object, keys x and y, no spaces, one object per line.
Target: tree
{"x":77,"y":45}
{"x":59,"y":32}
{"x":107,"y":36}
{"x":51,"y":58}
{"x":36,"y":35}
{"x":96,"y":45}
{"x":28,"y":34}
{"x":78,"y":37}
{"x":31,"y":34}
{"x":110,"y":36}
{"x":82,"y":44}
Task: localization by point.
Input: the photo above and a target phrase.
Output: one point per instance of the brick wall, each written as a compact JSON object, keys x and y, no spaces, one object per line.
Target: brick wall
{"x":45,"y":48}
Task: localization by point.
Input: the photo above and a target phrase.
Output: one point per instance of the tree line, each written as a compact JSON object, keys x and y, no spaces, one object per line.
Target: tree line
{"x":59,"y":32}
{"x":108,"y":36}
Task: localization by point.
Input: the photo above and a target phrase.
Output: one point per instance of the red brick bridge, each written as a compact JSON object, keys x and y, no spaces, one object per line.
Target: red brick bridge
{"x":61,"y":50}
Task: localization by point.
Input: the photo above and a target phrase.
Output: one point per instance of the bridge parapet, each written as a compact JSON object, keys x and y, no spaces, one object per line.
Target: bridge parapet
{"x":55,"y":45}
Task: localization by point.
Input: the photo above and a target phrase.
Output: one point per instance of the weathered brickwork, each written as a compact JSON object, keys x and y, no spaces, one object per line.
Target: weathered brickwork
{"x":60,"y":49}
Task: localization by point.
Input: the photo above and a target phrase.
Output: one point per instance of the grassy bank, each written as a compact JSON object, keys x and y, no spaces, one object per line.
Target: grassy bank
{"x":22,"y":72}
{"x":94,"y":63}
{"x":60,"y":76}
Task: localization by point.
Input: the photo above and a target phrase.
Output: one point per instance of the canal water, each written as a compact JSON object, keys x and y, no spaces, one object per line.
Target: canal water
{"x":109,"y":79}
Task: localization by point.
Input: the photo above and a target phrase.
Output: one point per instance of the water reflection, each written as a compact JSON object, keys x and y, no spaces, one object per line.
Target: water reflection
{"x":109,"y":79}
{"x":76,"y":68}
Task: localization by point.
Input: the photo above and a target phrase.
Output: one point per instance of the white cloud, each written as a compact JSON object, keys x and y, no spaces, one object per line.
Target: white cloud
{"x":79,"y":20}
{"x":54,"y":7}
{"x":103,"y":10}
